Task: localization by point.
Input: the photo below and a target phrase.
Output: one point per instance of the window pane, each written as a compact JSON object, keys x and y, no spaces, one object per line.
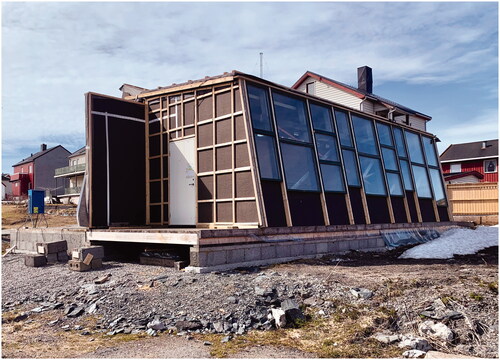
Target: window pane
{"x":321,"y":118}
{"x":384,"y":134}
{"x":394,"y":183}
{"x":291,"y":118}
{"x":266,"y":155}
{"x":365,"y":136}
{"x":300,"y":171}
{"x":490,"y":166}
{"x":332,"y":177}
{"x":389,"y":159}
{"x":405,"y":170}
{"x":259,"y":108}
{"x":327,"y":147}
{"x":351,"y":167}
{"x":400,"y":144}
{"x":414,"y":147}
{"x":421,"y":181}
{"x":343,"y":128}
{"x":373,"y":178}
{"x":430,"y":154}
{"x":437,"y":186}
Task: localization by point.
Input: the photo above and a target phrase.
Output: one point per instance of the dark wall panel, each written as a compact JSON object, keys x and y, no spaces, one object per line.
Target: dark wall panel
{"x":98,"y":205}
{"x":273,"y":203}
{"x":357,"y":205}
{"x":398,"y":208}
{"x":443,"y":213}
{"x":411,"y":206}
{"x":205,"y":187}
{"x":155,"y":213}
{"x":155,"y":191}
{"x":116,"y":106}
{"x":246,"y":211}
{"x":205,"y":213}
{"x":154,"y":168}
{"x":337,"y":209}
{"x":378,"y":209}
{"x":427,"y":210}
{"x":305,"y":208}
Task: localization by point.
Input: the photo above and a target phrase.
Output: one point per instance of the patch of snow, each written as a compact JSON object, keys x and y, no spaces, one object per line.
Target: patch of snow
{"x":455,"y":242}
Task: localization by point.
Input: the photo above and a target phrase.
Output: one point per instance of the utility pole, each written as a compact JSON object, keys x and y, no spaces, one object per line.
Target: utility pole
{"x":261,"y":65}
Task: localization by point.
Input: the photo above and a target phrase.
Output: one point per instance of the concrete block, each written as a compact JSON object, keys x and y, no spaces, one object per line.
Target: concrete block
{"x":216,"y":257}
{"x":253,"y":254}
{"x":62,"y":256}
{"x":51,"y":258}
{"x":343,"y":245}
{"x":322,"y":248}
{"x":296,"y":249}
{"x":77,"y":265}
{"x":81,"y":253}
{"x":268,"y":252}
{"x":353,"y":244}
{"x":179,"y":265}
{"x":35,"y":260}
{"x":235,"y":256}
{"x":96,"y":264}
{"x":363,"y":244}
{"x":309,"y":249}
{"x":51,"y":247}
{"x":283,"y":251}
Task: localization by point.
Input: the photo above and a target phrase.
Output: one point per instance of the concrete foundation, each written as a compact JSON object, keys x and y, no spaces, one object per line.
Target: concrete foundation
{"x":26,"y":239}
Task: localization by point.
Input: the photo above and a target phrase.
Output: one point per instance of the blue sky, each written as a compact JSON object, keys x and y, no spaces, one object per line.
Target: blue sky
{"x":438,"y":58}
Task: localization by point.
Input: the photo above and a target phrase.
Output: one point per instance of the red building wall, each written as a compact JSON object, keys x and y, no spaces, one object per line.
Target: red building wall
{"x":25,"y":180}
{"x":474,"y":165}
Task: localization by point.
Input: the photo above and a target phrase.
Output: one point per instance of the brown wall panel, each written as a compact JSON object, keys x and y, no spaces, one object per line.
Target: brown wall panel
{"x":241,"y":155}
{"x":205,"y":135}
{"x":411,"y":206}
{"x":154,"y":105}
{"x":337,"y":209}
{"x":224,"y":186}
{"x":237,"y":100}
{"x":155,"y":191}
{"x":223,"y":158}
{"x":205,"y":187}
{"x":305,"y":208}
{"x":154,"y":169}
{"x":239,"y":128}
{"x":155,"y":213}
{"x":205,"y":108}
{"x":427,"y":210}
{"x":205,"y":213}
{"x":246,"y":211}
{"x":224,"y":212}
{"x":244,"y":184}
{"x":205,"y":161}
{"x":189,"y":131}
{"x":223,"y":104}
{"x":273,"y":203}
{"x":154,"y":145}
{"x":398,"y":208}
{"x":154,"y":127}
{"x":223,"y":131}
{"x":357,"y":205}
{"x":189,"y":113}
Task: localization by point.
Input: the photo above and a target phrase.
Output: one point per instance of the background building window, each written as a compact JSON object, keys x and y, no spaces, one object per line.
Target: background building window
{"x":394,"y":183}
{"x":490,"y":166}
{"x":456,"y":168}
{"x":311,"y":88}
{"x":31,"y":169}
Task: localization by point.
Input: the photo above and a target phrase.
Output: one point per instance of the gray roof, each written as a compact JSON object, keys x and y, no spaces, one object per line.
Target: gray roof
{"x":470,"y":150}
{"x":78,"y":152}
{"x":37,"y":155}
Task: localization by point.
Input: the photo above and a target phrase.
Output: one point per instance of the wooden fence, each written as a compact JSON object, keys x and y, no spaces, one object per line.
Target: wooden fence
{"x":473,"y":198}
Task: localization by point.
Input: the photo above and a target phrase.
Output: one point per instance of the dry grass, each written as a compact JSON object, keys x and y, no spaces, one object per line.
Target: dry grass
{"x":13,"y":216}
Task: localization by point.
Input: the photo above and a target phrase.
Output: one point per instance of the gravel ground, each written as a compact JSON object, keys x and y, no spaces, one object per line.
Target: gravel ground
{"x":138,"y":297}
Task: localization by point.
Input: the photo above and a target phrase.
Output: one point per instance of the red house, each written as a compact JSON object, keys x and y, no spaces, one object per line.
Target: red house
{"x":37,"y":171}
{"x":471,"y":162}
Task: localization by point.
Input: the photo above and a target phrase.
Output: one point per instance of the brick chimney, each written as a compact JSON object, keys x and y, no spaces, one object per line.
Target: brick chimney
{"x":365,"y":79}
{"x":43,"y":147}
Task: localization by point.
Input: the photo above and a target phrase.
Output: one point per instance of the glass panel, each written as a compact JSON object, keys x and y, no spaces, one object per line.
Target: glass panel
{"x":332,"y":177}
{"x":421,"y":181}
{"x":321,"y":118}
{"x":400,"y":144}
{"x":259,"y":108}
{"x":390,"y":161}
{"x":405,"y":170}
{"x":373,"y":178}
{"x":394,"y":183}
{"x":343,"y":128}
{"x":291,"y":118}
{"x":437,"y":186}
{"x":266,"y":155}
{"x":351,"y":167}
{"x":384,"y":134}
{"x":365,"y":136}
{"x":414,"y":147}
{"x":327,"y":147}
{"x":430,"y":154}
{"x":300,"y":171}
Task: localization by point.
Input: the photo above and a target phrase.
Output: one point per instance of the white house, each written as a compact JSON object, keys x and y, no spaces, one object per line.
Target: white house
{"x":73,"y":173}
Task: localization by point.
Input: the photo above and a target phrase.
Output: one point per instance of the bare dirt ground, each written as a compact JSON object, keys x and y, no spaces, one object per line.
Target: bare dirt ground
{"x":13,"y":216}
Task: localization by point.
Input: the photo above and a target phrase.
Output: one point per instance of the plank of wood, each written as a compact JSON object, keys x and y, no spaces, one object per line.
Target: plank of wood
{"x":88,"y":259}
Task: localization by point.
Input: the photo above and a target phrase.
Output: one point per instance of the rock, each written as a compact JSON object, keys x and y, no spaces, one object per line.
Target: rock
{"x":362,"y":293}
{"x":232,"y":300}
{"x":85,"y":332}
{"x":226,"y":339}
{"x":412,"y":342}
{"x":436,"y":330}
{"x":53,"y":322}
{"x":438,"y":311}
{"x":91,"y":289}
{"x":76,"y":312}
{"x":310,"y":301}
{"x":241,"y":329}
{"x":92,"y":308}
{"x":413,"y":354}
{"x":151,"y":332}
{"x":37,"y":309}
{"x":279,"y":317}
{"x":207,"y":343}
{"x":115,"y":322}
{"x":218,"y":327}
{"x":386,"y":338}
{"x":65,"y":327}
{"x":156,"y":325}
{"x":188,"y":325}
{"x":20,"y":317}
{"x":78,"y":327}
{"x":68,"y":309}
{"x":441,"y":355}
{"x":292,"y":311}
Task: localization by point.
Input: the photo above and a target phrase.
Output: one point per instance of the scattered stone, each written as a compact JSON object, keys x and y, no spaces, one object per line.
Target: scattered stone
{"x":76,"y":312}
{"x":188,"y":325}
{"x":92,"y":308}
{"x":218,"y":327}
{"x":207,"y":343}
{"x":439,"y":311}
{"x":156,"y":325}
{"x":362,"y":293}
{"x":279,"y":317}
{"x":116,"y":321}
{"x":232,"y":300}
{"x":441,"y":355}
{"x":386,"y":338}
{"x":413,"y":354}
{"x":226,"y":339}
{"x":37,"y":309}
{"x":292,"y":311}
{"x":68,"y":309}
{"x":65,"y":327}
{"x":436,"y":330}
{"x":53,"y":322}
{"x":412,"y":342}
{"x":78,"y":327}
{"x":85,"y":333}
{"x":102,"y":280}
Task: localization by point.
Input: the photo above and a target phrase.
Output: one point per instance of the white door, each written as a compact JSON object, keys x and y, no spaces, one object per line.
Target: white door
{"x":182,"y":176}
